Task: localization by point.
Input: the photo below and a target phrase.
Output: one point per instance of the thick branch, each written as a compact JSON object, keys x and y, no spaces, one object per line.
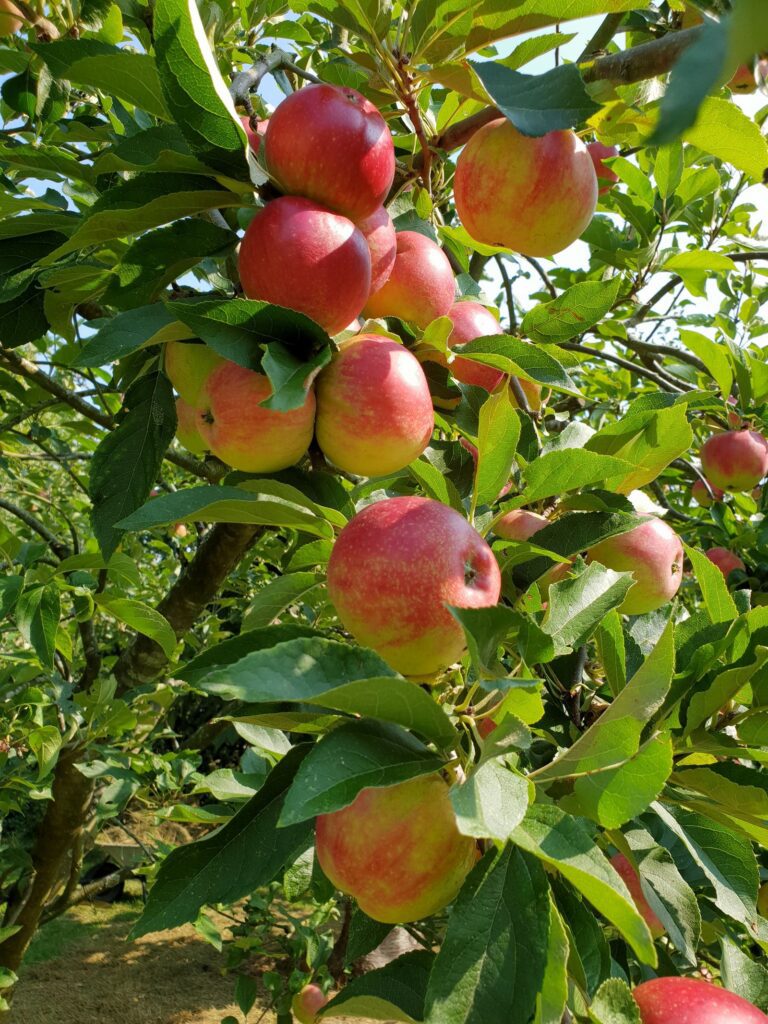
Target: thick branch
{"x":87,"y":892}
{"x":246,"y":82}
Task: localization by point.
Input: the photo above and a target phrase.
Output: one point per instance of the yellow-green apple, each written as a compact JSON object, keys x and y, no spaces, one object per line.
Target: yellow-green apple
{"x":307,"y":1004}
{"x":397,"y":850}
{"x":188,"y":422}
{"x":675,"y":1000}
{"x":472,"y":320}
{"x":188,"y":367}
{"x":762,"y":900}
{"x":631,"y":879}
{"x":332,"y":145}
{"x":379,"y":232}
{"x":255,"y":135}
{"x":519,"y":524}
{"x":653,"y":553}
{"x":691,"y":17}
{"x":735,"y":460}
{"x":531,"y":391}
{"x":10,"y":18}
{"x":393,"y":570}
{"x":374,"y":409}
{"x":420,"y":287}
{"x":303,"y":256}
{"x":532,"y":195}
{"x":743,"y":80}
{"x":725,"y":560}
{"x":242,"y":432}
{"x":701,"y":494}
{"x":606,"y":178}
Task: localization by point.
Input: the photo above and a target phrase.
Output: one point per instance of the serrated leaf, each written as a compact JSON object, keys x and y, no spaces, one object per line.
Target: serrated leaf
{"x":130,"y":331}
{"x":392,"y":993}
{"x":577,"y":606}
{"x":512,"y":355}
{"x":574,"y":311}
{"x":275,"y":596}
{"x":491,"y":803}
{"x":141,"y":617}
{"x":537,"y":104}
{"x":553,"y":993}
{"x":497,"y":436}
{"x":45,"y":744}
{"x":614,"y":1004}
{"x":726,"y":132}
{"x":742,"y":975}
{"x":559,"y":471}
{"x":717,"y":598}
{"x":37,"y":616}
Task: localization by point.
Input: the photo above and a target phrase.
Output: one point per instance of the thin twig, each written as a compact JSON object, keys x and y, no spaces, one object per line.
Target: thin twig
{"x":507,"y":283}
{"x":604,"y":34}
{"x":547,"y":281}
{"x":573,"y":346}
{"x":59,"y":549}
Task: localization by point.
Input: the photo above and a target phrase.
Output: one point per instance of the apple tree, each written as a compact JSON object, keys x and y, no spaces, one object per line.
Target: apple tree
{"x":382,"y":413}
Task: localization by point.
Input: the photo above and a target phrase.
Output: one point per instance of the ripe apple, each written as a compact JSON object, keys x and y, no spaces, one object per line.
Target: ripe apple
{"x":420,"y":287}
{"x":374,"y":409}
{"x":188,"y":422}
{"x":245,"y":435}
{"x":393,"y":570}
{"x":631,"y":879}
{"x":606,"y":178}
{"x":379,"y":232}
{"x":653,"y":553}
{"x":397,"y":850}
{"x":691,"y":1001}
{"x":254,"y":135}
{"x":188,"y":367}
{"x":519,"y":525}
{"x":179,"y":530}
{"x":532,"y":195}
{"x":485,"y":727}
{"x":701,"y":494}
{"x":332,"y":145}
{"x":735,"y":460}
{"x":307,"y":1004}
{"x":9,"y":22}
{"x":472,"y":320}
{"x":725,"y":560}
{"x":743,"y":80}
{"x":303,"y":256}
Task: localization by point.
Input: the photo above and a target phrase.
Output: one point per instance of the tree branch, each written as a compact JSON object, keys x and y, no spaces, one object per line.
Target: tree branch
{"x":246,"y":82}
{"x":59,"y":549}
{"x":542,"y":274}
{"x":604,"y":34}
{"x":626,"y":364}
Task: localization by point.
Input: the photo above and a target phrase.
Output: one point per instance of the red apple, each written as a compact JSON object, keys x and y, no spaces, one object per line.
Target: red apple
{"x":520,"y":525}
{"x":734,"y":420}
{"x":606,"y":178}
{"x":374,"y":409}
{"x":188,"y":367}
{"x":303,"y":256}
{"x":420,"y":287}
{"x":9,"y":22}
{"x":725,"y":560}
{"x":531,"y":391}
{"x":735,"y":460}
{"x":653,"y":553}
{"x":307,"y":1004}
{"x":332,"y":145}
{"x":701,"y":494}
{"x":179,"y":530}
{"x":632,"y":881}
{"x":690,"y":1001}
{"x":472,"y":320}
{"x":254,"y":135}
{"x":189,"y":420}
{"x":743,"y":80}
{"x":485,"y":727}
{"x":532,"y":195}
{"x":397,"y":850}
{"x":244,"y":434}
{"x":379,"y":232}
{"x":393,"y":570}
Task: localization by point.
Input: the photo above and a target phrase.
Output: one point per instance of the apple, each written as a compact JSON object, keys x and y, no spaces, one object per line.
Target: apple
{"x":762,"y":900}
{"x":485,"y":727}
{"x":374,"y":409}
{"x":397,"y":850}
{"x":735,"y":460}
{"x":734,"y":420}
{"x":472,"y":320}
{"x":743,"y":80}
{"x":653,"y":553}
{"x":395,"y":567}
{"x":305,"y":257}
{"x":725,"y":560}
{"x":331,"y":144}
{"x":631,"y":879}
{"x":519,"y":525}
{"x":254,"y":135}
{"x":188,"y":423}
{"x":691,"y":17}
{"x":420,"y":287}
{"x":242,"y":432}
{"x":179,"y":530}
{"x":532,"y":195}
{"x":691,"y":1001}
{"x":307,"y":1003}
{"x":9,"y":22}
{"x":188,"y":367}
{"x":606,"y":178}
{"x":379,"y":232}
{"x":531,"y":391}
{"x":701,"y":494}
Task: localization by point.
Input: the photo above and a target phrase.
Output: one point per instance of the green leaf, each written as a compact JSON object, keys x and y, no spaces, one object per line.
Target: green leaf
{"x":291,"y":378}
{"x":141,"y":617}
{"x":497,"y":437}
{"x":695,"y":267}
{"x":45,"y":744}
{"x":435,"y":484}
{"x":576,"y":607}
{"x":566,"y":844}
{"x":614,"y":1004}
{"x":714,"y":589}
{"x":726,"y":132}
{"x":589,"y":955}
{"x":392,"y":993}
{"x":365,"y":935}
{"x":195,"y":92}
{"x":492,"y":960}
{"x":706,"y":702}
{"x":537,"y":104}
{"x":126,"y":463}
{"x":612,"y":651}
{"x":742,"y":975}
{"x":332,"y":675}
{"x":128,"y":332}
{"x":491,"y":803}
{"x":553,"y":993}
{"x":512,"y":355}
{"x":10,"y":589}
{"x":493,"y":21}
{"x":354,"y":757}
{"x":38,"y":611}
{"x":574,"y":311}
{"x":275,"y":596}
{"x":111,"y":69}
{"x":158,"y":148}
{"x":714,"y":356}
{"x":559,"y":471}
{"x":485,"y":629}
{"x":249,"y":851}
